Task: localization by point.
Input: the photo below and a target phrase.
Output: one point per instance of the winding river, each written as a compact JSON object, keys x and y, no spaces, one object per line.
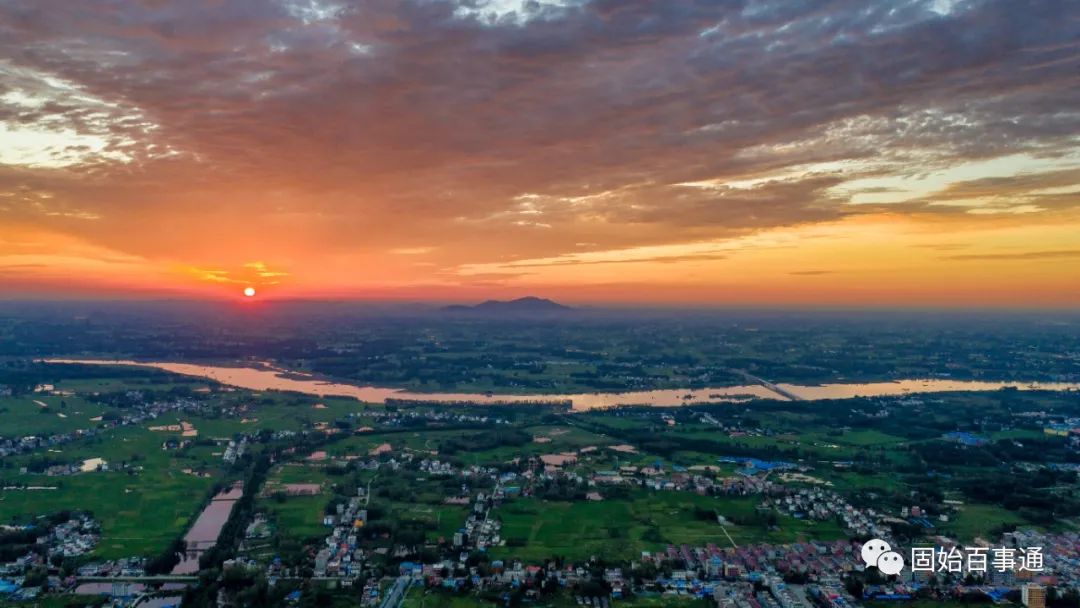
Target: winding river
{"x":282,"y":380}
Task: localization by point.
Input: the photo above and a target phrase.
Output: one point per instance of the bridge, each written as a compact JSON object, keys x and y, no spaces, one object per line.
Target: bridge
{"x":779,"y":390}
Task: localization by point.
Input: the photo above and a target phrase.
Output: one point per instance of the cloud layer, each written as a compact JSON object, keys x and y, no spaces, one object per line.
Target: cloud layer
{"x":410,"y":142}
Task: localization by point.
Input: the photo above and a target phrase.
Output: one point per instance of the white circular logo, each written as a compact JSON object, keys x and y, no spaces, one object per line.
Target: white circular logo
{"x":890,"y":562}
{"x":872,"y":550}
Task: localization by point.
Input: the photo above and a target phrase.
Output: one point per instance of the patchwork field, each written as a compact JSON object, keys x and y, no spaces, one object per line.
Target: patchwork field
{"x":295,"y":518}
{"x":537,"y":529}
{"x":46,"y":415}
{"x":139,"y":515}
{"x":974,"y":520}
{"x":141,"y":508}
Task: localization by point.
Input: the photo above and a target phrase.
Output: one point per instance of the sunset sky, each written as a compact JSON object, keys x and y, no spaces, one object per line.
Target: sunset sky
{"x":622,"y":151}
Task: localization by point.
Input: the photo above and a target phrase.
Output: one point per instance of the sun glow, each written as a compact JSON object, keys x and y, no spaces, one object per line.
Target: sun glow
{"x":249,"y":292}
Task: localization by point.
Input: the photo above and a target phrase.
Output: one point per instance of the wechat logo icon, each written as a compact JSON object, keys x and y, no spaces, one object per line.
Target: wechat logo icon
{"x":879,"y":554}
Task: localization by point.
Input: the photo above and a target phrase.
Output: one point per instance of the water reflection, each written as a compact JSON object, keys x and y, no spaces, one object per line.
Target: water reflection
{"x":275,"y":379}
{"x":205,"y":531}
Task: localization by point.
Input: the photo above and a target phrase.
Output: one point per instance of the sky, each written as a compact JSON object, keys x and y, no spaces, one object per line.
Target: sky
{"x":687,"y":152}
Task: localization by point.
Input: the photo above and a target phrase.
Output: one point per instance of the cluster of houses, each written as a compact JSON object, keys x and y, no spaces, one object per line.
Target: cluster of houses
{"x":750,"y":576}
{"x":341,"y":556}
{"x":706,"y":572}
{"x":1068,"y":427}
{"x":699,"y":478}
{"x":144,"y":411}
{"x":1062,"y":551}
{"x":733,"y":577}
{"x":127,"y":566}
{"x":68,"y":539}
{"x":822,"y":505}
{"x":754,"y":576}
{"x":13,"y":446}
{"x":480,"y":530}
{"x":774,"y":593}
{"x":234,"y":450}
{"x":72,"y":538}
{"x":60,"y":470}
{"x":437,"y":468}
{"x":405,"y":416}
{"x":700,"y":564}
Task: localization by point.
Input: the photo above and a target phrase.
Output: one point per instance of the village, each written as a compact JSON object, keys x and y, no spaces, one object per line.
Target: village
{"x":796,"y":575}
{"x":782,"y":535}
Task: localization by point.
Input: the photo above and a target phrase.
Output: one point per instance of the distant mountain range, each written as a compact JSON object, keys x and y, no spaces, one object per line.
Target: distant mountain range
{"x":522,"y":306}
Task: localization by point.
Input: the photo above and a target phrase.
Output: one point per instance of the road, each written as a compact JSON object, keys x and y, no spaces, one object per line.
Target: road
{"x":731,"y":540}
{"x":367,"y":494}
{"x":396,"y":595}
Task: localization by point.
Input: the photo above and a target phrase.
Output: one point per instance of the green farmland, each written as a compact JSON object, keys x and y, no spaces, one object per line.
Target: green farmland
{"x":537,"y":529}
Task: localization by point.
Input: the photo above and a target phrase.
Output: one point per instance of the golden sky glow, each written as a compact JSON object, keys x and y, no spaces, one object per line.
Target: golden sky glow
{"x":907,"y":153}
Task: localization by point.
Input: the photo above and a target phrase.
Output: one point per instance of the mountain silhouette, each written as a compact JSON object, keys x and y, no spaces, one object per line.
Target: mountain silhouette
{"x":521,"y":306}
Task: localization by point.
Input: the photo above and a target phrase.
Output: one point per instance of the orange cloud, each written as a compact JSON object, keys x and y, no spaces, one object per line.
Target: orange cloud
{"x":677,"y":151}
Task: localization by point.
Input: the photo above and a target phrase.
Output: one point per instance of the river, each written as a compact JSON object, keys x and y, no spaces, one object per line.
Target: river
{"x":274,"y":379}
{"x":204,"y":533}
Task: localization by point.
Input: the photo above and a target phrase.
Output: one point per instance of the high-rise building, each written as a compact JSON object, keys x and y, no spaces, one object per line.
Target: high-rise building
{"x":1033,"y":595}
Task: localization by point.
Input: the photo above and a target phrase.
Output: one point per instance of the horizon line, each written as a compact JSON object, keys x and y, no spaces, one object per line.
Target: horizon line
{"x":573,"y":306}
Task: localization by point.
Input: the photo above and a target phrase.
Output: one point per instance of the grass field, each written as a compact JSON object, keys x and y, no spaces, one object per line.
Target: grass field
{"x":819,"y":445}
{"x":1017,"y":434}
{"x":139,"y":515}
{"x":843,"y":480}
{"x":975,"y":520}
{"x":140,"y":511}
{"x":296,"y":517}
{"x":121,"y":379}
{"x":430,"y":442}
{"x":441,"y":520}
{"x":275,"y":413}
{"x":623,"y":529}
{"x":421,"y":598}
{"x":870,"y":438}
{"x":419,"y":441}
{"x":132,"y":444}
{"x":554,"y":439}
{"x":26,"y":416}
{"x":567,"y":437}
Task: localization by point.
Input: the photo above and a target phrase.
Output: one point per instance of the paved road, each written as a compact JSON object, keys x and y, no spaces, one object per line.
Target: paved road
{"x":396,"y":595}
{"x":731,"y":540}
{"x":367,"y":494}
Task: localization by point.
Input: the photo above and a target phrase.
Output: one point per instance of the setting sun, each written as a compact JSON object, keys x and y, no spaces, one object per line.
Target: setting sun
{"x":702,"y":155}
{"x":249,"y":292}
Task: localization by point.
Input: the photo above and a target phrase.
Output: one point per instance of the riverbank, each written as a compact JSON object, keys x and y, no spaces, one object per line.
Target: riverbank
{"x":276,"y":379}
